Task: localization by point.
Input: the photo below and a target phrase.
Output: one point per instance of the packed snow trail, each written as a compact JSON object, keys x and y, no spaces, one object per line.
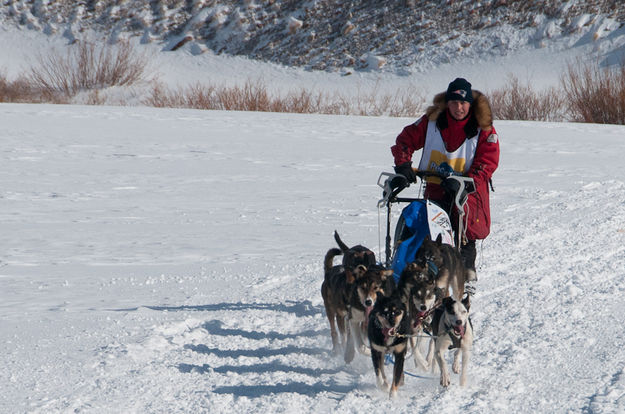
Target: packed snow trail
{"x":166,"y":260}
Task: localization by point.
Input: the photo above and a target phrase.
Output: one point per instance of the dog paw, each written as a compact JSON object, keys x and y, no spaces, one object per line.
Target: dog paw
{"x":445,"y":380}
{"x":393,"y":393}
{"x":455,"y":367}
{"x":383,"y":385}
{"x":364,"y":349}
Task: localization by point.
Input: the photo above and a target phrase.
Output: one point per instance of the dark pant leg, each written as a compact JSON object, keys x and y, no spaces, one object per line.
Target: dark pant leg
{"x":469,"y":253}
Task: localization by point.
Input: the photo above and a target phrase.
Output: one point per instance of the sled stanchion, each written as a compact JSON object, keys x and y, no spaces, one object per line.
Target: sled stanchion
{"x":393,"y":184}
{"x":388,"y":234}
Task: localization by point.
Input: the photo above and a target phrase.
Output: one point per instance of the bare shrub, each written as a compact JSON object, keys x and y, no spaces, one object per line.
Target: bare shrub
{"x":403,"y":103}
{"x":406,"y":102}
{"x":19,"y":90}
{"x":87,"y":66}
{"x":337,"y":104}
{"x":522,"y":102}
{"x":255,"y":96}
{"x":249,"y":97}
{"x":595,"y":95}
{"x":200,"y":96}
{"x":301,"y":101}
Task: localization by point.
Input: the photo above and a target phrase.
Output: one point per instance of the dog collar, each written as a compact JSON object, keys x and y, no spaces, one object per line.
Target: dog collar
{"x":389,"y":333}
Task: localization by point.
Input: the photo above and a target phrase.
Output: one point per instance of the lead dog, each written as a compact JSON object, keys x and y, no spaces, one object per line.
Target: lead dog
{"x":453,"y":330}
{"x":388,"y":331}
{"x":421,"y":295}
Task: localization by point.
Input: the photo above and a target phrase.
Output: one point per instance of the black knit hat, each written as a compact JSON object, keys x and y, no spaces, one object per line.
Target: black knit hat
{"x":459,"y":90}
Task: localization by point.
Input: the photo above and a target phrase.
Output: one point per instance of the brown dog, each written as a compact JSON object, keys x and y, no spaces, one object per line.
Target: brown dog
{"x":365,"y":292}
{"x":336,"y":288}
{"x":444,"y":266}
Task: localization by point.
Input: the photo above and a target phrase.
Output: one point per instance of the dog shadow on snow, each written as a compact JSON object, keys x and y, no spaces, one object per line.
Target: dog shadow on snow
{"x":216,"y":328}
{"x":305,"y":308}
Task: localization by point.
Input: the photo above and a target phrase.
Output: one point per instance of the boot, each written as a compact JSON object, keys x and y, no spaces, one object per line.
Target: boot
{"x":470,"y":288}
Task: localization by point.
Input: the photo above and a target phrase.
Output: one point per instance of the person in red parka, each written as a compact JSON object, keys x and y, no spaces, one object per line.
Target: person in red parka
{"x":458,"y":130}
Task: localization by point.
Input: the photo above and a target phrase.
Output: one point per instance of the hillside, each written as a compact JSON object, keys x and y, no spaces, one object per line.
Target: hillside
{"x":402,"y":36}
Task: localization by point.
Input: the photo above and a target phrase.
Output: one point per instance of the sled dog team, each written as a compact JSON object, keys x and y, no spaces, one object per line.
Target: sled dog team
{"x":365,"y":305}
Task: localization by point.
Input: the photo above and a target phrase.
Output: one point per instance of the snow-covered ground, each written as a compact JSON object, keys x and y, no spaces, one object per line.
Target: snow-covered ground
{"x":160,"y":260}
{"x":170,"y":261}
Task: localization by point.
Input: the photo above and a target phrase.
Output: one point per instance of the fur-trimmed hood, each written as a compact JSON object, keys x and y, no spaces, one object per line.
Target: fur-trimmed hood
{"x":480,"y":109}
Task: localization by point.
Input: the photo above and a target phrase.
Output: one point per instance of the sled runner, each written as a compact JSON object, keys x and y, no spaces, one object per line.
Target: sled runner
{"x":421,"y":217}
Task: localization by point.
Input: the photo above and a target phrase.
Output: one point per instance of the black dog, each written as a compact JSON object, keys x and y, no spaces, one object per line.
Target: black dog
{"x":417,"y":289}
{"x":388,"y":333}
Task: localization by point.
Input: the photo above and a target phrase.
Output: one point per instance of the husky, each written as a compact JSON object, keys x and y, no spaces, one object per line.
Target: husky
{"x":388,"y":331}
{"x":452,"y":329}
{"x":444,"y":264}
{"x":354,"y":256}
{"x":421,"y":295}
{"x":366,"y":290}
{"x":336,"y":290}
{"x":349,"y":292}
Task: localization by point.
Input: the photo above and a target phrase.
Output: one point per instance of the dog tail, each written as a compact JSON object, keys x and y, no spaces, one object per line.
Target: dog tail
{"x":327,"y":263}
{"x":342,"y":245}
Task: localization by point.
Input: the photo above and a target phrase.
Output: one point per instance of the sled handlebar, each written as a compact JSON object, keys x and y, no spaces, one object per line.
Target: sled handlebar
{"x":393,"y":184}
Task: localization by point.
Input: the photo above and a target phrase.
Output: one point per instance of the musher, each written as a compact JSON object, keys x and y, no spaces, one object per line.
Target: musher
{"x":455,"y":133}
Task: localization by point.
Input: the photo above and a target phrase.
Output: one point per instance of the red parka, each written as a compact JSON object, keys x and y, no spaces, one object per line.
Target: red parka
{"x":454,"y":132}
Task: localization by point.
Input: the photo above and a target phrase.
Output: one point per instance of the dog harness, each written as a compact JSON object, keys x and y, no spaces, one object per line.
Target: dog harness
{"x":421,"y":319}
{"x":456,"y":339}
{"x":432,"y":270}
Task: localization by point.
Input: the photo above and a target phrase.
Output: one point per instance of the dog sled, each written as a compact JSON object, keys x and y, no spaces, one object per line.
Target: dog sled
{"x":421,"y":217}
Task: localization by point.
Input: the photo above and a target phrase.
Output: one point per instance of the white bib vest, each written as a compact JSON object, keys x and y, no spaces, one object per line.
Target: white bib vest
{"x":435,"y":153}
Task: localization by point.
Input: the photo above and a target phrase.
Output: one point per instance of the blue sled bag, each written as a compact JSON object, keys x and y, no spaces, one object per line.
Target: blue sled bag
{"x":418,"y":220}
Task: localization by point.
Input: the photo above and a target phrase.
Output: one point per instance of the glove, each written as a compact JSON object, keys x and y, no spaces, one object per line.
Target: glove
{"x":445,"y":170}
{"x":451,"y":187}
{"x":406,"y":170}
{"x":399,"y":181}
